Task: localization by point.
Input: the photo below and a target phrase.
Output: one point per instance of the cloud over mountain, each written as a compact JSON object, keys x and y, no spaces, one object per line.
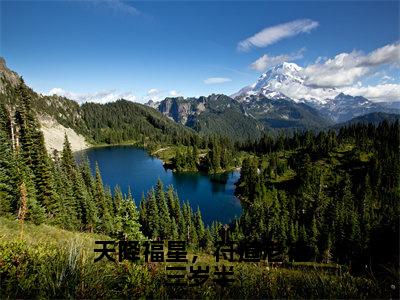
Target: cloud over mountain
{"x":380,"y":92}
{"x":351,"y":73}
{"x":99,"y":97}
{"x":266,"y":61}
{"x":347,"y":68}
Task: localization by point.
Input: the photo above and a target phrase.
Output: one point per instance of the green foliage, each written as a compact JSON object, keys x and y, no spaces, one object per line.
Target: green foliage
{"x":54,"y":263}
{"x":163,"y":217}
{"x":8,"y":176}
{"x":334,"y":204}
{"x":127,"y":218}
{"x":56,"y":191}
{"x":123,"y":120}
{"x":331,"y":196}
{"x":213,"y":115}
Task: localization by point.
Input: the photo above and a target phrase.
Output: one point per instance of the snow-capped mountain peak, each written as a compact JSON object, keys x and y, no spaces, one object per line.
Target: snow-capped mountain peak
{"x":287,"y":79}
{"x":282,"y":73}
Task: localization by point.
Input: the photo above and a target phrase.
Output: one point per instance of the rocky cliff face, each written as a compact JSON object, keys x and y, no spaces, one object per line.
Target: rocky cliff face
{"x":7,"y":76}
{"x":54,"y":133}
{"x":54,"y":113}
{"x":256,"y":112}
{"x":212,"y":114}
{"x":177,"y":109}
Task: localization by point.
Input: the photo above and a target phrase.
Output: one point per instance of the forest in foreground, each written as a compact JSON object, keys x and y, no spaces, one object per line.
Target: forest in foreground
{"x":328,"y":202}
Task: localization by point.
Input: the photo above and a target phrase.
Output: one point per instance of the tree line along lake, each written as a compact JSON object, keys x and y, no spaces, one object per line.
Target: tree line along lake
{"x":132,"y":167}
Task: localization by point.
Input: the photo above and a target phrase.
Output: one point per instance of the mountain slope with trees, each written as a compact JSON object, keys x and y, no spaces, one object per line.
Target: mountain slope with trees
{"x":215,"y":114}
{"x":118,"y":122}
{"x":331,"y":196}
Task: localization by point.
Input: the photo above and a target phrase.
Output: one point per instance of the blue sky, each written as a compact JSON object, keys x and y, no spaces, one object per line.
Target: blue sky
{"x":152,"y":49}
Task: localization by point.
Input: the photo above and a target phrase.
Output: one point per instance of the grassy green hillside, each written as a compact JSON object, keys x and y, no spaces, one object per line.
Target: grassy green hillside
{"x":53,"y":263}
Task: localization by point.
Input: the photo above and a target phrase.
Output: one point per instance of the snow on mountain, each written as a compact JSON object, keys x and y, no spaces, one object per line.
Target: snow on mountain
{"x":153,"y":104}
{"x":345,"y":107}
{"x":280,"y":74}
{"x":288,"y":81}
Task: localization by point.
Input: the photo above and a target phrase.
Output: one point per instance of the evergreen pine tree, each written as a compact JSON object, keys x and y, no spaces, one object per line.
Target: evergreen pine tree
{"x":129,"y":219}
{"x":163,"y":212}
{"x":143,"y":220}
{"x":106,"y":222}
{"x":34,"y":211}
{"x":153,"y":215}
{"x":8,"y":178}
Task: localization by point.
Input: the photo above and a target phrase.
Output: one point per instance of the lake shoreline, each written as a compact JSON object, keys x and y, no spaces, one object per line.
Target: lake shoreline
{"x":134,"y":168}
{"x":153,"y":153}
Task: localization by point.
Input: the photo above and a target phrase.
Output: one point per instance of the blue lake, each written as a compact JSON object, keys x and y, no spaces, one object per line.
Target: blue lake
{"x":133,"y":167}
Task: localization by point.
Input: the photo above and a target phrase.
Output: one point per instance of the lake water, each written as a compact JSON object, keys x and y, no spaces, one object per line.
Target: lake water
{"x":132,"y":167}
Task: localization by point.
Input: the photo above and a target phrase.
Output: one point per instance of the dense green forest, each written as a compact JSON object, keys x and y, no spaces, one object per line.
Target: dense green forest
{"x":329,"y":197}
{"x":334,"y":196}
{"x":211,"y":155}
{"x":215,"y":114}
{"x":122,"y":121}
{"x":314,"y":194}
{"x":40,"y":188}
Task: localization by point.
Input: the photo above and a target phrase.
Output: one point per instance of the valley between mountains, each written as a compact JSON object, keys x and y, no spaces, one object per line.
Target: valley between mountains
{"x":258,"y":109}
{"x":323,"y":194}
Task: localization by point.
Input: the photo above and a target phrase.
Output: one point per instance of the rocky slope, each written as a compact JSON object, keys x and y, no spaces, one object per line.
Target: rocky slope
{"x":90,"y":123}
{"x":215,"y":114}
{"x":345,"y":107}
{"x":277,"y":113}
{"x":244,"y":116}
{"x":57,"y":116}
{"x":54,"y":134}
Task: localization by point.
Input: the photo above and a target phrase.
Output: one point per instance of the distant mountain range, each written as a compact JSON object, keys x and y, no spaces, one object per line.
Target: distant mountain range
{"x":264,"y":104}
{"x":249,"y":113}
{"x":215,"y":114}
{"x":285,"y":81}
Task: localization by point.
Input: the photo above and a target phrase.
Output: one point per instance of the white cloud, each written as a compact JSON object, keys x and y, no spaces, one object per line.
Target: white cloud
{"x":296,"y":90}
{"x":216,"y":80}
{"x":154,"y":95}
{"x":153,"y":92}
{"x":174,"y":93}
{"x":158,"y":95}
{"x":347,"y":68}
{"x":271,"y":35}
{"x":389,"y":54}
{"x":266,"y":61}
{"x":380,"y":92}
{"x":99,"y":97}
{"x":350,"y":73}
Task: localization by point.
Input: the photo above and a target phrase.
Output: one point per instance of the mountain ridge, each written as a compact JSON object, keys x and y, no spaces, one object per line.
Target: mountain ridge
{"x":90,"y":123}
{"x":246,"y":116}
{"x":285,"y":81}
{"x":214,"y":114}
